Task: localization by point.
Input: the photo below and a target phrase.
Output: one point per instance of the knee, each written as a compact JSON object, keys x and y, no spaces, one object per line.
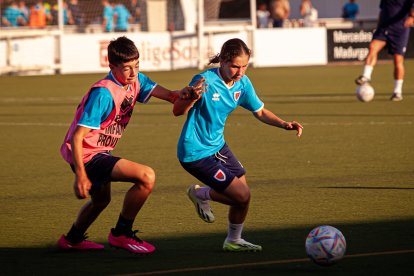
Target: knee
{"x":101,"y":203}
{"x":243,"y":198}
{"x":148,"y":179}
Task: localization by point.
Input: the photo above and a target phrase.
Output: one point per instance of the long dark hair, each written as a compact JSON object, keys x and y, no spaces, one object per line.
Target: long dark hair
{"x":231,"y":48}
{"x":122,"y":50}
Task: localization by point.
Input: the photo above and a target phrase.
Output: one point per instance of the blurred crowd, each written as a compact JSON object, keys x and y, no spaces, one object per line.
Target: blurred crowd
{"x":275,"y":13}
{"x":117,"y":15}
{"x":113,"y":15}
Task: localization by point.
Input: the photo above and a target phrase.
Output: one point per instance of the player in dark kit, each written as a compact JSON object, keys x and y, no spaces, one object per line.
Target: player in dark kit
{"x":393,"y":30}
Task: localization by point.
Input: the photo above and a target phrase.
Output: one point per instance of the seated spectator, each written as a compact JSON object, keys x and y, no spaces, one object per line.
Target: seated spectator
{"x":263,"y":16}
{"x":122,"y":17}
{"x":280,"y":11}
{"x":350,"y":10}
{"x":12,"y":16}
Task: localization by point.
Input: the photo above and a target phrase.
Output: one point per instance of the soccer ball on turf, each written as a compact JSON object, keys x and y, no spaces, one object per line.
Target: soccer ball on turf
{"x":325,"y":245}
{"x":365,"y":92}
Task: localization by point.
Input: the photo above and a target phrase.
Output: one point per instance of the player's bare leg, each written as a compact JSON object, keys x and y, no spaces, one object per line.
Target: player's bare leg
{"x":76,"y":238}
{"x":143,"y":177}
{"x":399,"y":72}
{"x":374,"y":48}
{"x":237,"y":196}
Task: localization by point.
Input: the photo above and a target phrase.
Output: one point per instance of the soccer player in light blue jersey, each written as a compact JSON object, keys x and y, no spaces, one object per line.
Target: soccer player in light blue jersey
{"x":202,"y":149}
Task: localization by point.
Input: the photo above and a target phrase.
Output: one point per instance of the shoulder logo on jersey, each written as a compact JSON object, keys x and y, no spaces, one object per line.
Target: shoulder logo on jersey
{"x":236,"y":95}
{"x":220,"y":175}
{"x":216,"y":97}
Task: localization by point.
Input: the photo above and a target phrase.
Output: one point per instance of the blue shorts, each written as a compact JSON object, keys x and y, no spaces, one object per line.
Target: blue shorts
{"x":99,"y":170}
{"x":218,"y":170}
{"x":396,"y":39}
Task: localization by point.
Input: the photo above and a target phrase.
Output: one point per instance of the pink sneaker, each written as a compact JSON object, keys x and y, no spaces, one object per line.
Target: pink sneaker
{"x":64,"y":244}
{"x":131,"y":243}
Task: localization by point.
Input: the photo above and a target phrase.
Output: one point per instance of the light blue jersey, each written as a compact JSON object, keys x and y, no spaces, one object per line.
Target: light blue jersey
{"x":100,"y":103}
{"x":108,"y":14}
{"x":122,"y":16}
{"x":203,"y":131}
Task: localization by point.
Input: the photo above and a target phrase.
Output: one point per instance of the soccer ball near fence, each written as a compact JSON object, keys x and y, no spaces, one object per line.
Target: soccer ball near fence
{"x":325,"y":245}
{"x":365,"y":92}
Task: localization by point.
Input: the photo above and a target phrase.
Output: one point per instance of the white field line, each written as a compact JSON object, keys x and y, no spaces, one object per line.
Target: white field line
{"x":373,"y":123}
{"x":274,"y":262}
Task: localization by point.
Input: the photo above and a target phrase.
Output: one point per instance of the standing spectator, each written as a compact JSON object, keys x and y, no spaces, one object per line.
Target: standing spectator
{"x":350,"y":10}
{"x":75,"y":10}
{"x":280,"y":11}
{"x":107,"y":16}
{"x":122,"y":17}
{"x":135,"y":10}
{"x":12,"y":16}
{"x":308,"y":13}
{"x":67,"y":15}
{"x":263,"y":16}
{"x":393,"y":30}
{"x":24,"y":10}
{"x":39,"y":15}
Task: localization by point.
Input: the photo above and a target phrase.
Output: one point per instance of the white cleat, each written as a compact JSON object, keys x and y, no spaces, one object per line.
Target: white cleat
{"x":202,"y":207}
{"x":241,"y":246}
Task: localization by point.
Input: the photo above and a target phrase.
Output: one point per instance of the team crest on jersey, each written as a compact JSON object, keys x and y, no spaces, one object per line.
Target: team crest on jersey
{"x":220,"y":176}
{"x":216,"y":97}
{"x":236,"y":95}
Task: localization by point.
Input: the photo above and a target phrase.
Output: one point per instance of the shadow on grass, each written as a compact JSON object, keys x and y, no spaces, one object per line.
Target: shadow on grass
{"x":283,"y":254}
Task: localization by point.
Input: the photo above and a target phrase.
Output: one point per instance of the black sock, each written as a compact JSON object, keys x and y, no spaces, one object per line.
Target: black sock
{"x":123,"y":226}
{"x":75,"y":235}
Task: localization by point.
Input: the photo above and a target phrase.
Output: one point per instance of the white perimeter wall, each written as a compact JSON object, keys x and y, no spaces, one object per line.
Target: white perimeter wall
{"x":86,"y":53}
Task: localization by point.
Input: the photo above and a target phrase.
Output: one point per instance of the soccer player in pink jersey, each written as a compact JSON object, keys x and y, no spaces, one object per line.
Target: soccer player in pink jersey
{"x":99,"y":122}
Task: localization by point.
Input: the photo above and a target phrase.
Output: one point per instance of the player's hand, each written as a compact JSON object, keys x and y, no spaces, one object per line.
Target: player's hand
{"x":409,"y":22}
{"x":294,"y":126}
{"x":194,"y":92}
{"x":82,"y":186}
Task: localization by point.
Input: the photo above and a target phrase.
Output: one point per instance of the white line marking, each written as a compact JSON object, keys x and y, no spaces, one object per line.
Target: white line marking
{"x":372,"y":123}
{"x":288,"y":261}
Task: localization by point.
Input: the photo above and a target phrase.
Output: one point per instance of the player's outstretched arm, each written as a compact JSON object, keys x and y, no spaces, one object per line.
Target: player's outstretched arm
{"x":188,"y":96}
{"x":266,"y":116}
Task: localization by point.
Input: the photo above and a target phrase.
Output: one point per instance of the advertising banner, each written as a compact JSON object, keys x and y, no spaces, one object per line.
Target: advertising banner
{"x":353,"y":45}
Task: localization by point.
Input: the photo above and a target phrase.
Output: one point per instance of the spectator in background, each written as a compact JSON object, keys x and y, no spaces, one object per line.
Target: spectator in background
{"x":24,"y":10}
{"x":39,"y":15}
{"x":135,"y":10}
{"x":107,"y":16}
{"x":122,"y":17}
{"x":73,"y":7}
{"x":393,"y":30}
{"x":67,"y":15}
{"x":280,"y":11}
{"x":12,"y":16}
{"x":350,"y":10}
{"x":308,"y":13}
{"x":263,"y":16}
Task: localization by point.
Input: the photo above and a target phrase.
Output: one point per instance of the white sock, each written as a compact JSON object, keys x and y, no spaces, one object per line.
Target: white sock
{"x":203,"y":193}
{"x":368,"y":71}
{"x":234,"y":232}
{"x":398,"y":86}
